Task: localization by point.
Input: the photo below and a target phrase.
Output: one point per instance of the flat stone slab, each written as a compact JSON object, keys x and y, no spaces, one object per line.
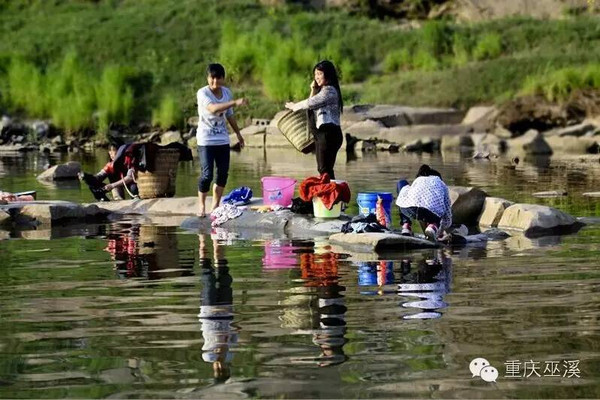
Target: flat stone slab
{"x":591,"y":194}
{"x":380,"y":242}
{"x":283,"y":223}
{"x":171,"y":205}
{"x":47,"y":212}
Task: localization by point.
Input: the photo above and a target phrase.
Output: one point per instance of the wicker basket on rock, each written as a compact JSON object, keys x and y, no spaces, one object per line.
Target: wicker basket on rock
{"x":161,"y":181}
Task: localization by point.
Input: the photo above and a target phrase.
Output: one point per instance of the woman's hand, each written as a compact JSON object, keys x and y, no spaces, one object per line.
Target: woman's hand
{"x":290,"y":105}
{"x":314,"y":86}
{"x":241,"y":102}
{"x":108,"y":188}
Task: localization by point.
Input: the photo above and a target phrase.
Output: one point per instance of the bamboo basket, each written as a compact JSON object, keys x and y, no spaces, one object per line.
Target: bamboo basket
{"x":160,"y":182}
{"x":295,"y":126}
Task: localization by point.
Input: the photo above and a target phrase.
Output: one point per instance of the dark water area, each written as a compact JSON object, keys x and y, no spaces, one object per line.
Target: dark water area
{"x":134,"y":310}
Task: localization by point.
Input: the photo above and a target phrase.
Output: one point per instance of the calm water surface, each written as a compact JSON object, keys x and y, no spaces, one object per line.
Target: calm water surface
{"x":131,"y":310}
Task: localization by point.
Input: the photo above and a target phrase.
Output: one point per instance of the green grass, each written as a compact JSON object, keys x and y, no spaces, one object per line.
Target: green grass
{"x":130,"y":56}
{"x":558,"y":85}
{"x":168,"y":113}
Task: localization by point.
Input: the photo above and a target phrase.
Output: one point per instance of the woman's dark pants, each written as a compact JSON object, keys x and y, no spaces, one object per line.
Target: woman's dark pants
{"x":328,"y":140}
{"x":420,"y":214}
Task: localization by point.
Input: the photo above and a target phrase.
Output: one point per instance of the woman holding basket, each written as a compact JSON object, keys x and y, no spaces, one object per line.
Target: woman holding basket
{"x":326,"y":102}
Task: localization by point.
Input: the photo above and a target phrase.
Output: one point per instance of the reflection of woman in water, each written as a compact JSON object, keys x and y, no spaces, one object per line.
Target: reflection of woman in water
{"x":216,"y":310}
{"x":320,"y":271}
{"x":429,"y":282}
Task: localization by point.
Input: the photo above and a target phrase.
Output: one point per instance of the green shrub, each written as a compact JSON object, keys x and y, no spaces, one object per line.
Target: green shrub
{"x":168,"y":113}
{"x":436,"y":39}
{"x":461,"y":48}
{"x":488,"y":47}
{"x":425,"y":61}
{"x":114,"y":98}
{"x":71,"y":94}
{"x":397,"y":60}
{"x":26,"y":88}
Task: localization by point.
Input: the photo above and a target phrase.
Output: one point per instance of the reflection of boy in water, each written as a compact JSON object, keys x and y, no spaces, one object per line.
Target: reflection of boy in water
{"x":123,"y":248}
{"x":321,"y":271}
{"x":429,"y":282}
{"x":216,"y":310}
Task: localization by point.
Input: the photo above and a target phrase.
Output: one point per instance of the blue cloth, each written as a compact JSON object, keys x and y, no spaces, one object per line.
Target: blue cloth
{"x":238,"y":196}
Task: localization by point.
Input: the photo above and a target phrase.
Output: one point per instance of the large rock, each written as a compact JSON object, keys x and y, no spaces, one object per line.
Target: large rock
{"x":479,"y":10}
{"x":525,"y":113}
{"x":481,"y":118}
{"x":69,"y":170}
{"x":573,"y":144}
{"x":532,"y":142}
{"x":492,"y":211}
{"x":4,"y":218}
{"x":456,"y":142}
{"x":170,"y":137}
{"x":406,"y":134}
{"x":489,"y":143}
{"x":48,"y":212}
{"x":391,"y":115}
{"x":253,"y":130}
{"x":577,"y":130}
{"x":456,"y":191}
{"x":368,"y":128}
{"x":536,"y":220}
{"x":467,"y":208}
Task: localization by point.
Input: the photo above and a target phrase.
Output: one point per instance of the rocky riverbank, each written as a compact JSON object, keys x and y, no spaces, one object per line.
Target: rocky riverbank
{"x":525,"y":126}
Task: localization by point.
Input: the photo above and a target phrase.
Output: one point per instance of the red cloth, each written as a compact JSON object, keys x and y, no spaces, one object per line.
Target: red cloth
{"x":329,"y":192}
{"x":109,"y":169}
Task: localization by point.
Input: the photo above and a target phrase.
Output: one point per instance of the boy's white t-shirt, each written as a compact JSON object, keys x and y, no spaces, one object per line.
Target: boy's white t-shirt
{"x":212,"y":128}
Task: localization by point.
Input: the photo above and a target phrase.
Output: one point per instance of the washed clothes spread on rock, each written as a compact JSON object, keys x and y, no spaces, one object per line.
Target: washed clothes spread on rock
{"x":428,"y":192}
{"x":212,"y":128}
{"x":325,"y":104}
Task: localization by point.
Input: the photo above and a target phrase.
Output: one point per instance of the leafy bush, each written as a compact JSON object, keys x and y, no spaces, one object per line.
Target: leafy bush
{"x":26,"y":88}
{"x":71,"y":95}
{"x":114,"y":97}
{"x":168,"y":113}
{"x":488,"y":47}
{"x":461,"y":49}
{"x":397,"y":60}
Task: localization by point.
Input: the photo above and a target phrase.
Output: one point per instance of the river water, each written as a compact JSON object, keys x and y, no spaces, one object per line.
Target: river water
{"x":131,"y":310}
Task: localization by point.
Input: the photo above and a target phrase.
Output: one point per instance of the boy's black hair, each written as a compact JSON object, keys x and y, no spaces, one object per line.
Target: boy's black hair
{"x":215,"y":70}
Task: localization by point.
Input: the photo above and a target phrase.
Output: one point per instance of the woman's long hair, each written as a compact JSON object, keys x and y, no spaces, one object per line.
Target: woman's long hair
{"x":331,"y":76}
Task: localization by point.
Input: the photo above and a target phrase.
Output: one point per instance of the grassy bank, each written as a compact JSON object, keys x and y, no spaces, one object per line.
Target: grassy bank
{"x":86,"y":64}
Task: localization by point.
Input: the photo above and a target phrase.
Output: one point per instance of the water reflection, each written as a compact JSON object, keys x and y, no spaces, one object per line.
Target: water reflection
{"x":216,"y":309}
{"x":328,"y":328}
{"x":145,"y":251}
{"x":377,"y":273}
{"x":428,"y":280}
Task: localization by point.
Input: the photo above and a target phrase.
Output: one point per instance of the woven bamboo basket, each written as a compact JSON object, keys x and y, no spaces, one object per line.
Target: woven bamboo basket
{"x":160,"y":182}
{"x":294,"y":126}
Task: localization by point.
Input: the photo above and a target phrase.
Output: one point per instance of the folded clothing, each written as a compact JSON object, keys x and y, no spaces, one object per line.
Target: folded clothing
{"x":329,"y":192}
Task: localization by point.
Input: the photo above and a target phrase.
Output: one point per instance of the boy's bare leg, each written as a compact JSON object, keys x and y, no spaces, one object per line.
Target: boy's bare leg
{"x":217,"y":194}
{"x":202,"y":203}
